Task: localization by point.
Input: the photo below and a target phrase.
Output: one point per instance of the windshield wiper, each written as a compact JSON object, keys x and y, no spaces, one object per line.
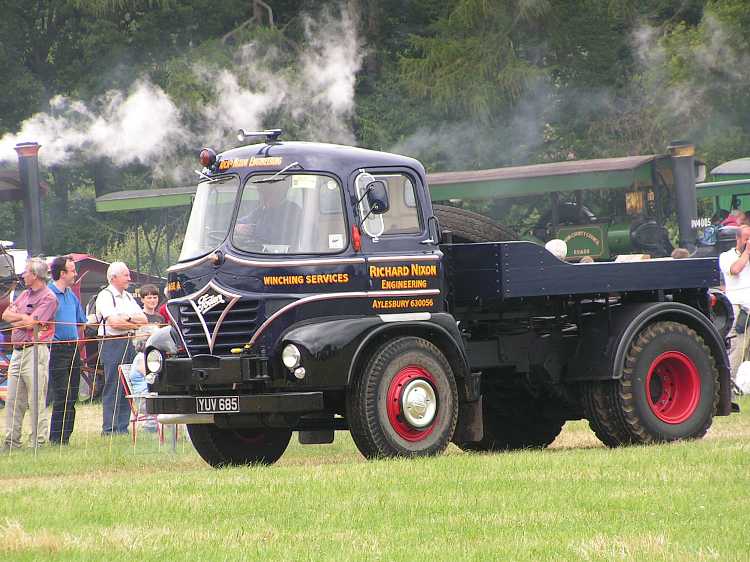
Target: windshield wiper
{"x":277,"y":176}
{"x":209,"y":179}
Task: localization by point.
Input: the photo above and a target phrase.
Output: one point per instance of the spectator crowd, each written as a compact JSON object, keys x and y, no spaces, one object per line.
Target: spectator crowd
{"x":46,"y":334}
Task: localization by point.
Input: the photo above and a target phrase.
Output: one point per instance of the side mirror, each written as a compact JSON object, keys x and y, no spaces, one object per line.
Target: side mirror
{"x":434,"y":231}
{"x":377,"y":197}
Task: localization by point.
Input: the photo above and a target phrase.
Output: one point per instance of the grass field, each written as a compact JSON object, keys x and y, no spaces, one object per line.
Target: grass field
{"x":105,"y":499}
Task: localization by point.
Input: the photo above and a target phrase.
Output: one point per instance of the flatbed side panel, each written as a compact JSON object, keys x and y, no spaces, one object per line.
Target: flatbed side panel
{"x":528,"y":270}
{"x":473,"y":271}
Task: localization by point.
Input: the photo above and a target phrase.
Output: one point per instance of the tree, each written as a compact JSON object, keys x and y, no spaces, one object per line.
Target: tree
{"x":481,"y":57}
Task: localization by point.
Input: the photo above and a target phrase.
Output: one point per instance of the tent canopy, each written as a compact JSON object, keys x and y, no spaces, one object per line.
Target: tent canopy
{"x":137,"y":199}
{"x":540,"y":179}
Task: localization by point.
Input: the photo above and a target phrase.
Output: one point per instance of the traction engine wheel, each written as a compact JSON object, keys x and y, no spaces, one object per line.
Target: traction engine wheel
{"x":227,"y":447}
{"x":405,"y":401}
{"x":669,"y":390}
{"x":468,"y":226}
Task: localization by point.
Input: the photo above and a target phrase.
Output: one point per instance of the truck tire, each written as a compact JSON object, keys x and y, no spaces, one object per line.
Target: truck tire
{"x":468,"y":226}
{"x":231,"y":447}
{"x":669,"y":390}
{"x":513,"y":420}
{"x":405,"y":402}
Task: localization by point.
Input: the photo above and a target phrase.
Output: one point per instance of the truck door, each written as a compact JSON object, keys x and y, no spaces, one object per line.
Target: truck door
{"x":404,"y":271}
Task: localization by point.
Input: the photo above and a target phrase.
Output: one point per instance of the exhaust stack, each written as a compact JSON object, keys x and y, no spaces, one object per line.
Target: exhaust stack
{"x":683,"y":169}
{"x":28,"y":169}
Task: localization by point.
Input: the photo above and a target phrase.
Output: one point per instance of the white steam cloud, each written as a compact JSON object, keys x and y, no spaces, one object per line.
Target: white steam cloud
{"x":135,"y":126}
{"x":126,"y":128}
{"x":319,"y":97}
{"x":329,"y":67}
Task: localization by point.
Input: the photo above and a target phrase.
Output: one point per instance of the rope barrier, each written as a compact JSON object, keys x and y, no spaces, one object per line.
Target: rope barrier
{"x":78,"y":324}
{"x":19,"y":387}
{"x":92,"y":389}
{"x":117,"y":394}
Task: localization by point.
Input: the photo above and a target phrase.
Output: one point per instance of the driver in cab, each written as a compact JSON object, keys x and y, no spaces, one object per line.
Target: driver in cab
{"x":273,"y":226}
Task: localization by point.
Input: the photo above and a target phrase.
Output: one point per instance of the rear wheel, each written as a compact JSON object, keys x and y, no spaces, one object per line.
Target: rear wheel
{"x":225,"y":447}
{"x":405,"y":401}
{"x":669,"y":390}
{"x":513,"y":419}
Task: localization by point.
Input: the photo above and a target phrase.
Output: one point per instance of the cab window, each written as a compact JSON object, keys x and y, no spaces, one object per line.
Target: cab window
{"x":402,"y":216}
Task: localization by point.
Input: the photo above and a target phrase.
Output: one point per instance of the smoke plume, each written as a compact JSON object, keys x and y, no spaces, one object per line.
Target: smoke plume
{"x":509,"y":140}
{"x":713,"y":66}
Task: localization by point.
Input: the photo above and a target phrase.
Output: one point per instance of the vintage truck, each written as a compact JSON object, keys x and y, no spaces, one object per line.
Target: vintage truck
{"x":316,"y":291}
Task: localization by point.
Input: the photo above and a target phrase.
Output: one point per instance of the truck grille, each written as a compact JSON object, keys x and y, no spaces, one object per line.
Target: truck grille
{"x":235,"y":330}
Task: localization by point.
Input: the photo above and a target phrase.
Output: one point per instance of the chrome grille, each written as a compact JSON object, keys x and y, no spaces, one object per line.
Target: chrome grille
{"x":235,"y":330}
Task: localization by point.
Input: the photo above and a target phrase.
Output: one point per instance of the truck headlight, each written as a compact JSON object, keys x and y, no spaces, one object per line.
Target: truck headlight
{"x":154,"y":361}
{"x":291,"y":357}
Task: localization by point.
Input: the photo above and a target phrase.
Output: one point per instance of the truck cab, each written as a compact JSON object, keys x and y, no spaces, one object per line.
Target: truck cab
{"x":290,"y":266}
{"x":313,"y":294}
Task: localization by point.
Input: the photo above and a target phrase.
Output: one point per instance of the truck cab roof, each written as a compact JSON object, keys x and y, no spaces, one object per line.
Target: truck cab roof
{"x":310,"y":156}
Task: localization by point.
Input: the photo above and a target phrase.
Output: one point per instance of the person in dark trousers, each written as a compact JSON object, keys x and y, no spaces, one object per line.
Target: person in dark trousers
{"x":65,"y":354}
{"x":119,"y":315}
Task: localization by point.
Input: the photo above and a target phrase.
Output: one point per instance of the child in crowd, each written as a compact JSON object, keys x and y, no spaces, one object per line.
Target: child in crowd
{"x":150,"y":298}
{"x":137,"y":375}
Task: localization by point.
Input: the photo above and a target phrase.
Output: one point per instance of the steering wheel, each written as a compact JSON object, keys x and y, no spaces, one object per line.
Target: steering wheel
{"x":216,"y":236}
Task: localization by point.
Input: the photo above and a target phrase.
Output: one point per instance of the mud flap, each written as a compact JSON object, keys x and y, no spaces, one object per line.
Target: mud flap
{"x":316,"y":437}
{"x":470,"y":427}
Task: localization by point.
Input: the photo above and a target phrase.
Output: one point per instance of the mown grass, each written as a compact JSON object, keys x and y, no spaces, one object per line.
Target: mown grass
{"x":105,"y":499}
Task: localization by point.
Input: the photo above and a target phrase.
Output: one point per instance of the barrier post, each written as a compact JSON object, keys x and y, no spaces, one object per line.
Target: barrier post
{"x":35,"y":388}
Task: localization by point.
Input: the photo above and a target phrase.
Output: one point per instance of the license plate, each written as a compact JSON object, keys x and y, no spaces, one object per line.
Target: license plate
{"x":217,"y":405}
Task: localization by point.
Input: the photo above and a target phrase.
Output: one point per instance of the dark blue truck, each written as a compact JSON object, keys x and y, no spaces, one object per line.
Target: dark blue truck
{"x":316,"y":292}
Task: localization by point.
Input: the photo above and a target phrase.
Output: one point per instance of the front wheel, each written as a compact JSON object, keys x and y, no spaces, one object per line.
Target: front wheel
{"x":405,"y":402}
{"x":230,"y":447}
{"x":669,"y":390}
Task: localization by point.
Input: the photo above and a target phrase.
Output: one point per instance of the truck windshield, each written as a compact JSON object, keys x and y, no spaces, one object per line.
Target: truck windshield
{"x":210,"y":217}
{"x":291,"y":214}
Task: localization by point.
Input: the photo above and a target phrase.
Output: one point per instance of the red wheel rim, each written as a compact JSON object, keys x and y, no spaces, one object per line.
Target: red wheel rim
{"x":395,"y":398}
{"x":673,"y":387}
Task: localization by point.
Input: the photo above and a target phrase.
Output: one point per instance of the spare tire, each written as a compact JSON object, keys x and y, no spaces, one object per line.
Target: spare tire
{"x":468,"y":226}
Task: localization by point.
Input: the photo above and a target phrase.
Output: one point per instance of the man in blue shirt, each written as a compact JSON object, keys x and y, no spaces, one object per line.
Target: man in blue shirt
{"x":65,"y":357}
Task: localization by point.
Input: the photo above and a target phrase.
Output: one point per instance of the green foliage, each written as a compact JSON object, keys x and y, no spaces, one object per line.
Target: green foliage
{"x":476,"y":62}
{"x":152,"y":249}
{"x":104,"y":7}
{"x":75,"y":229}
